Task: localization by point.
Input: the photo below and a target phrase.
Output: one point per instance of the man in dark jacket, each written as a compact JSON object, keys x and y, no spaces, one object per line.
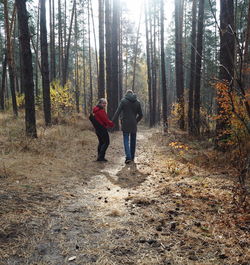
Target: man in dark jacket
{"x":130,"y":113}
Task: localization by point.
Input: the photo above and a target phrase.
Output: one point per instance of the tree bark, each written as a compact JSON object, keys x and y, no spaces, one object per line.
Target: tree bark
{"x":110,"y":108}
{"x":163,"y":73}
{"x":198,"y":68}
{"x":60,"y":43}
{"x":2,"y":91}
{"x":36,"y":52}
{"x":90,"y":63}
{"x":77,"y":91}
{"x":115,"y":39}
{"x":192,"y":70}
{"x":93,"y":26}
{"x":101,"y":77}
{"x":179,"y":61}
{"x":45,"y":65}
{"x":227,"y":46}
{"x":149,"y":69}
{"x":120,"y":77}
{"x":85,"y":109}
{"x":66,"y":59}
{"x":10,"y":58}
{"x":154,"y":67}
{"x":136,"y":51}
{"x":52,"y":40}
{"x":30,"y":118}
{"x":246,"y":70}
{"x":126,"y":65}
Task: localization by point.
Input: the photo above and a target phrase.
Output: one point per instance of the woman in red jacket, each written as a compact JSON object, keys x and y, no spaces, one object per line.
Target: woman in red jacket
{"x":101,"y":131}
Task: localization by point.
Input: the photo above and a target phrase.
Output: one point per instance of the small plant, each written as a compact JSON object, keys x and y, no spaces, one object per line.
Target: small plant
{"x":234,"y":115}
{"x":20,"y":100}
{"x":179,"y":146}
{"x":175,"y":113}
{"x":61,"y":98}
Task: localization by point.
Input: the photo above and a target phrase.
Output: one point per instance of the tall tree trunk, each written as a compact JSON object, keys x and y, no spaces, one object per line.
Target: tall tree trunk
{"x":149,"y":69}
{"x":93,"y":26}
{"x":52,"y":40}
{"x":101,"y":77}
{"x":198,"y":68}
{"x":30,"y":117}
{"x":153,"y":86}
{"x":77,"y":91}
{"x":136,"y":51}
{"x":246,"y":70}
{"x":115,"y":39}
{"x":10,"y":58}
{"x":54,"y":45}
{"x":159,"y":88}
{"x":110,"y":107}
{"x":60,"y":42}
{"x":21,"y":63}
{"x":84,"y":85}
{"x":64,"y":38}
{"x":126,"y":65}
{"x":163,"y":73}
{"x":192,"y":70}
{"x":154,"y":63}
{"x":37,"y":55}
{"x":120,"y":77}
{"x":66,"y":59}
{"x":45,"y":65}
{"x":85,"y":107}
{"x":227,"y":46}
{"x":3,"y":85}
{"x":14,"y":28}
{"x":90,"y":63}
{"x":179,"y":61}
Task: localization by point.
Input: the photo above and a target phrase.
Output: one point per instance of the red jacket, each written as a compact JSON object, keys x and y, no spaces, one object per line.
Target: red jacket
{"x":102,"y":117}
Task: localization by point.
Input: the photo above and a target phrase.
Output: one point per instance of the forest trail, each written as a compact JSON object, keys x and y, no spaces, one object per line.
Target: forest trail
{"x":173,"y":206}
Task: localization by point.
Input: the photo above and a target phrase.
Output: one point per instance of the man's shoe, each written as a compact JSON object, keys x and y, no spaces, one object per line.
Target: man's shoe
{"x":102,"y":160}
{"x":127,"y":161}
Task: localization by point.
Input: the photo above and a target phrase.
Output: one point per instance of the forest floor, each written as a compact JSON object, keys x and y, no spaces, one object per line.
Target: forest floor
{"x":175,"y":205}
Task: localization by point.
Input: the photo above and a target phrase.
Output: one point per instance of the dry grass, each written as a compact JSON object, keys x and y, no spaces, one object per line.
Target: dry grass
{"x":115,"y":213}
{"x":32,"y":171}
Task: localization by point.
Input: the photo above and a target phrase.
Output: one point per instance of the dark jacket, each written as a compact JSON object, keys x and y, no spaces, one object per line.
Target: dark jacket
{"x":130,"y":113}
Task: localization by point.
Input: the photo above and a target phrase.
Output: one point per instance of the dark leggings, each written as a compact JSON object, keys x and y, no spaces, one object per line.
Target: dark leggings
{"x":103,"y":138}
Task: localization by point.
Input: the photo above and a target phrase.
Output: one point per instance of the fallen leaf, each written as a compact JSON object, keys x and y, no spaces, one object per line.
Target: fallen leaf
{"x":72,"y":258}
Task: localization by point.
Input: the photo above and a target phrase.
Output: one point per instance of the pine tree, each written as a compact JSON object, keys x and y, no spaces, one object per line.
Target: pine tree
{"x":45,"y":65}
{"x":27,"y":69}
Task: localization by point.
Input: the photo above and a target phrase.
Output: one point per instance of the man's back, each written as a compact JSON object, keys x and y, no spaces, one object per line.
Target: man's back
{"x":130,"y":112}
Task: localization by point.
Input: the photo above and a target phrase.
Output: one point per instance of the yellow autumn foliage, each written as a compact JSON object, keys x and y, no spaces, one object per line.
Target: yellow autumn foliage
{"x":233,"y":112}
{"x":20,"y":101}
{"x":61,"y":98}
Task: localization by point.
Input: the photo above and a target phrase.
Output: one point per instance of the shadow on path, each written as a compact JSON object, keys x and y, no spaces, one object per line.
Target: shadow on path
{"x":127,"y":177}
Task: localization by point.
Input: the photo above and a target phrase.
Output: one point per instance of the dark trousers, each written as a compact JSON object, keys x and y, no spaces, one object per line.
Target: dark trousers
{"x":103,"y":138}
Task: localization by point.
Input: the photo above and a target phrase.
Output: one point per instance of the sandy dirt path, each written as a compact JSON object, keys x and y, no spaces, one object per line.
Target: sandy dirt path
{"x":164,"y":209}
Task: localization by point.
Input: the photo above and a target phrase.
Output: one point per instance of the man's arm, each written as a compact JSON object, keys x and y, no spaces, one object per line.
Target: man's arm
{"x":117,"y":113}
{"x":139,"y":112}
